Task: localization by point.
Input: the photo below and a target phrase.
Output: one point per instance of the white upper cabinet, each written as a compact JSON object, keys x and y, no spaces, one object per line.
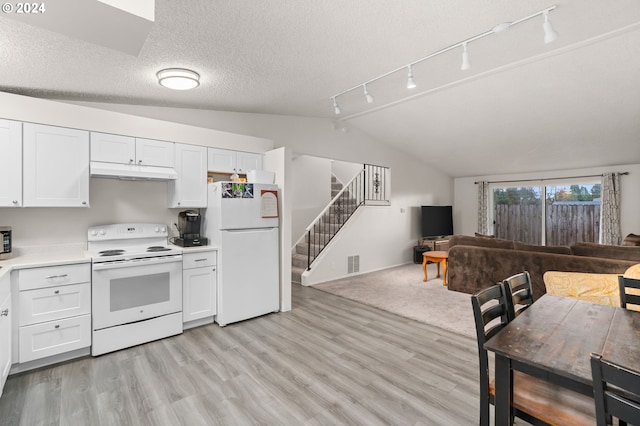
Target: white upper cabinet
{"x":246,"y":161}
{"x":11,"y":167}
{"x":128,"y":150}
{"x":221,"y":160}
{"x":150,"y":152}
{"x":226,"y":161}
{"x":112,"y":148}
{"x":190,"y":187}
{"x":55,"y":166}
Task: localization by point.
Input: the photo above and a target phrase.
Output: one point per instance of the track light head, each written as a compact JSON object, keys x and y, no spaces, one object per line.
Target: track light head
{"x":549,"y":33}
{"x":367,"y":94}
{"x":500,"y":28}
{"x":411,"y":83}
{"x":466,"y":64}
{"x":336,"y":108}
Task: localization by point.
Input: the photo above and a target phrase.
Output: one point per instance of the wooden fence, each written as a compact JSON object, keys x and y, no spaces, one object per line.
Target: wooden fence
{"x":565,"y":223}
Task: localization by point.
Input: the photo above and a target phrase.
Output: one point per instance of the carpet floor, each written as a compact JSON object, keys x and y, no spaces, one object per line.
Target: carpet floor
{"x":401,"y":290}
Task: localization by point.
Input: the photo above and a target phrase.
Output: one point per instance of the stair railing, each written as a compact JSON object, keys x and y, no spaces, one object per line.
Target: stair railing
{"x":369,"y":185}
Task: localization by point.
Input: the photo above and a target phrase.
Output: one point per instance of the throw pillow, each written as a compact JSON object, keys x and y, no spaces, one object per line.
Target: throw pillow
{"x":631,"y":240}
{"x":594,"y":288}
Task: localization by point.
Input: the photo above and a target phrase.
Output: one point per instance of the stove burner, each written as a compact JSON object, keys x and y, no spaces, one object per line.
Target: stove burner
{"x":157,"y":248}
{"x":111,"y":252}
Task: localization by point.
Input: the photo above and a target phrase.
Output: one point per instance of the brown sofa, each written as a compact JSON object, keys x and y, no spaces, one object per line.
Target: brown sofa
{"x":476,"y":263}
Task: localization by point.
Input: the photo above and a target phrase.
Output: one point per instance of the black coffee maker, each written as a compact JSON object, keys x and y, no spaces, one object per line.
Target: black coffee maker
{"x":189,"y":222}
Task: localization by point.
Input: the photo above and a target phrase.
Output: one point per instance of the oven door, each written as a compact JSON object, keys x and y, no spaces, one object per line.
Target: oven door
{"x":135,"y":290}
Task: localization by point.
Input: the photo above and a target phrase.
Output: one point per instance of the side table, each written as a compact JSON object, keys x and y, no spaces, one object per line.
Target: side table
{"x":438,"y":257}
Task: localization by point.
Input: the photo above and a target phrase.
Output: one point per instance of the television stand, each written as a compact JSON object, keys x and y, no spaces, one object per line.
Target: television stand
{"x":435,"y":243}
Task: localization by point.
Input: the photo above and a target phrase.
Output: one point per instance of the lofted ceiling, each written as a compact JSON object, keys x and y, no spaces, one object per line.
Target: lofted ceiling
{"x":523,"y":106}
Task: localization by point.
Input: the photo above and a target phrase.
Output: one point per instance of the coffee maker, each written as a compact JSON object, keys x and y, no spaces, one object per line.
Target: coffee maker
{"x":189,"y":222}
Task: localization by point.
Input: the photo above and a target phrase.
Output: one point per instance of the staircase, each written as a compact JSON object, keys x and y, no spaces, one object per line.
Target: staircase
{"x":300,"y":256}
{"x":369,"y":187}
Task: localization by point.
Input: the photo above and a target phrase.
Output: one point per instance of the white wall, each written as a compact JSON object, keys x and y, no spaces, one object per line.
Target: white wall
{"x":465,"y":213}
{"x":111,"y":200}
{"x":344,"y":171}
{"x":412,"y":185}
{"x":311,"y":191}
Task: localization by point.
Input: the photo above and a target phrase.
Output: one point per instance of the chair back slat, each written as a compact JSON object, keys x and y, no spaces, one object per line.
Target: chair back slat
{"x":616,"y":391}
{"x":629,"y":292}
{"x":490,"y":315}
{"x":519,"y":294}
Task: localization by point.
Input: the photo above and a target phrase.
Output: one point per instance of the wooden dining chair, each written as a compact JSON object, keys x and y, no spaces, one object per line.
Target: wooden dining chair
{"x":617,"y":392}
{"x":629,"y":293}
{"x":519,"y":293}
{"x":534,"y":400}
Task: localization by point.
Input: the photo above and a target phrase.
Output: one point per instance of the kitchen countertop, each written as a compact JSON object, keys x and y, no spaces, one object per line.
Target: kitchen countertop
{"x":37,"y":256}
{"x":196,"y":249}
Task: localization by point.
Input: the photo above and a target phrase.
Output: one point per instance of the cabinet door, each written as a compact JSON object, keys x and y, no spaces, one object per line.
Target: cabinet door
{"x":190,"y":187}
{"x":221,"y":160}
{"x":11,"y":167}
{"x":150,"y":152}
{"x":246,"y":161}
{"x":5,"y":332}
{"x":56,"y":166}
{"x":198,"y":293}
{"x":112,"y":148}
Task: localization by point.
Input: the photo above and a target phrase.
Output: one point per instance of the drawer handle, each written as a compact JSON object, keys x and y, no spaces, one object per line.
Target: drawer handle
{"x":4,"y":313}
{"x":56,"y":292}
{"x":200,"y":260}
{"x":50,"y":277}
{"x":56,"y":326}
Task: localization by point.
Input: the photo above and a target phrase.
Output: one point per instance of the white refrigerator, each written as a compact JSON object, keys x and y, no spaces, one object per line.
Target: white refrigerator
{"x":242,"y":220}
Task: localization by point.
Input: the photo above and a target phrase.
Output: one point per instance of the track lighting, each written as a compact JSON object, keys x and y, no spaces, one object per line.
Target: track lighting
{"x":411,"y":83}
{"x":336,"y":108}
{"x":549,"y":35}
{"x":367,"y":94}
{"x":466,"y":64}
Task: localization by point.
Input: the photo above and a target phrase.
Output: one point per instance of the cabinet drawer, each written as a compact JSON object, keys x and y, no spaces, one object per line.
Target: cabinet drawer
{"x":51,"y":303}
{"x":197,"y":260}
{"x":54,"y":276}
{"x":54,"y":337}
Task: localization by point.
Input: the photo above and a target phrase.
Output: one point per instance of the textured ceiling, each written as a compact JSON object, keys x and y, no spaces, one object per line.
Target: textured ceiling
{"x":523,"y":106}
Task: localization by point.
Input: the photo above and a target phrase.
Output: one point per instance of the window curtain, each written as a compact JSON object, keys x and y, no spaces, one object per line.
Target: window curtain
{"x":483,"y":207}
{"x":610,"y":221}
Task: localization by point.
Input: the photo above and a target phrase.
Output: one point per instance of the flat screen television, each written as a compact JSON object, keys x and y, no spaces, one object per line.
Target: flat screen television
{"x":437,"y":221}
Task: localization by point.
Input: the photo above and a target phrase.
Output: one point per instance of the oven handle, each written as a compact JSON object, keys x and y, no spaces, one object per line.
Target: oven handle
{"x":136,"y":262}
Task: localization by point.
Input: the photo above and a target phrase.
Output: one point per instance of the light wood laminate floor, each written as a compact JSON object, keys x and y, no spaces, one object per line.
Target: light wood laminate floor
{"x":328,"y":361}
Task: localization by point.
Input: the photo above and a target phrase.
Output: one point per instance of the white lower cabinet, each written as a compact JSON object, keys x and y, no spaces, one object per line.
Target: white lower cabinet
{"x":199,"y":287}
{"x":5,"y":329}
{"x":55,"y":310}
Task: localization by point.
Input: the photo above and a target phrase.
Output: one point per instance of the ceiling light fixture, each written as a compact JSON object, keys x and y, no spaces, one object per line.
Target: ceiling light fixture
{"x":411,"y":83}
{"x":466,"y":64}
{"x":336,"y":108}
{"x":367,"y":95}
{"x":549,"y":35}
{"x":178,"y":78}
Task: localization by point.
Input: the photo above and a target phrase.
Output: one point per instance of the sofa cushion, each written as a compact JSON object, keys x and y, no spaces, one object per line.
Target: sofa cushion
{"x":606,"y":251}
{"x":544,"y":249}
{"x":631,"y":240}
{"x":468,"y":240}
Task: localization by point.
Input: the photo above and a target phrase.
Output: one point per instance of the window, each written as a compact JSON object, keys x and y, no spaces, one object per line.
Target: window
{"x":571,"y":212}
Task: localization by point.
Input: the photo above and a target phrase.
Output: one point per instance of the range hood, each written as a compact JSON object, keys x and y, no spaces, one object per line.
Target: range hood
{"x":131,"y":171}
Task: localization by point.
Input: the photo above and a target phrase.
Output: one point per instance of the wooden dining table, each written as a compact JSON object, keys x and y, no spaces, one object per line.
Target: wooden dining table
{"x":552,"y":340}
